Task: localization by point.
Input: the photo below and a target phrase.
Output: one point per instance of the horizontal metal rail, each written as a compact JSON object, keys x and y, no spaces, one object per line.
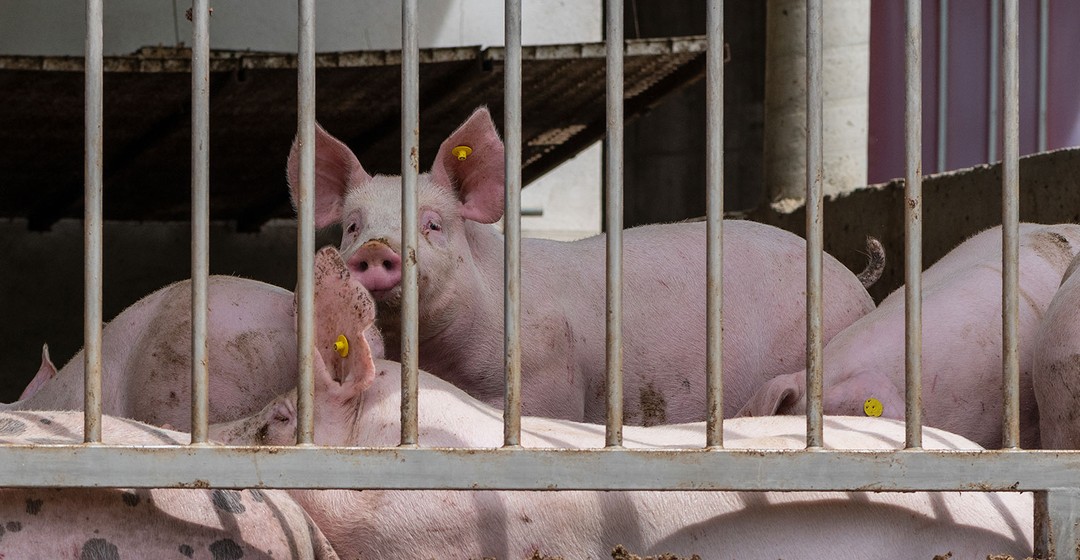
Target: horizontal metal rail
{"x":535,"y":469}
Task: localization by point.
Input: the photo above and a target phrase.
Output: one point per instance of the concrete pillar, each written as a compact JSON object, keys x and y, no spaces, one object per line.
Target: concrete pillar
{"x":846,"y":98}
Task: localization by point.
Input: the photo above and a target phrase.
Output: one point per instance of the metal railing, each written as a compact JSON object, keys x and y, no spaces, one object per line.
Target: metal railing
{"x":1054,"y":474}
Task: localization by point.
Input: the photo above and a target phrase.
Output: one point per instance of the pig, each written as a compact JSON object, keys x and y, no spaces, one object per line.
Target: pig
{"x":961,"y":357}
{"x":146,"y":373}
{"x":357,"y":403}
{"x":460,"y":270}
{"x":113,"y":523}
{"x":1055,"y":373}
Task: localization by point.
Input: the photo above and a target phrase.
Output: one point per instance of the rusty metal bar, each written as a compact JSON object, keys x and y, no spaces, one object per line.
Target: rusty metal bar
{"x":814,"y":225}
{"x":305,"y":251}
{"x":410,"y":169}
{"x":92,"y":224}
{"x":613,"y":170}
{"x":913,"y":223}
{"x":1057,"y":513}
{"x":531,"y":469}
{"x":200,"y":218}
{"x":714,"y":305}
{"x":512,"y":227}
{"x":1010,"y":220}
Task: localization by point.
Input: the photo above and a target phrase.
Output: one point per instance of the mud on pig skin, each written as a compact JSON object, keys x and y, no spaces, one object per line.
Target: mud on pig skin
{"x":962,"y":342}
{"x":116,"y":523}
{"x":146,"y":359}
{"x":357,"y":402}
{"x":460,"y":270}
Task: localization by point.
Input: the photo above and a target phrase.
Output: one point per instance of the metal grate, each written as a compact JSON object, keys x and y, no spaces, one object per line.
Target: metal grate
{"x":612,"y":468}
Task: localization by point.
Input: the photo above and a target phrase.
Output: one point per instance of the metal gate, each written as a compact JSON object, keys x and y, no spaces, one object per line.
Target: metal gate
{"x":1053,"y":475}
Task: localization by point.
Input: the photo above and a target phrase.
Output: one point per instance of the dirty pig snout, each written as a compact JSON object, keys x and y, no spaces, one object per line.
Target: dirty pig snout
{"x":377,"y":266}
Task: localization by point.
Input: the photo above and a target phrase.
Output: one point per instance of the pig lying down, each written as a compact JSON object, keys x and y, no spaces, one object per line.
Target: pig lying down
{"x":1056,"y":369}
{"x":460,"y":268}
{"x":115,"y":523}
{"x":961,"y":355}
{"x":146,"y":360}
{"x":357,"y":403}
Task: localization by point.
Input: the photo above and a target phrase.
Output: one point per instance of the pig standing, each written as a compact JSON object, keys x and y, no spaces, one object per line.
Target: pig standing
{"x":146,"y":360}
{"x":1055,"y":373}
{"x":460,"y":269}
{"x":357,"y":403}
{"x":961,"y":359}
{"x":114,"y":523}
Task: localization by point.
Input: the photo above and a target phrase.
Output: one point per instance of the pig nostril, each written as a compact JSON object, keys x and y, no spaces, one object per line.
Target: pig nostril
{"x":388,"y":265}
{"x":363,"y":266}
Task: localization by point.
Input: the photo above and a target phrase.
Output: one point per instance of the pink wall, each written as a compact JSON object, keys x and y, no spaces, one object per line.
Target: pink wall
{"x":968,"y":80}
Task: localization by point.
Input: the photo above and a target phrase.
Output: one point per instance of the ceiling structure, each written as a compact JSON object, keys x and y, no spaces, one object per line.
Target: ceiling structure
{"x":147,"y":120}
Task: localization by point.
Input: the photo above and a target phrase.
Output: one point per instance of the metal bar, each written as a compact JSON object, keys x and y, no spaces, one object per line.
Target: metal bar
{"x":512,"y":227}
{"x":305,"y":245}
{"x":92,"y":222}
{"x":1056,"y":514}
{"x":200,"y":217}
{"x":814,"y":225}
{"x":1010,"y":229}
{"x":995,"y":47}
{"x":714,"y":326}
{"x":1044,"y":61}
{"x":410,"y":169}
{"x":613,"y":171}
{"x":913,"y":224}
{"x":532,"y":469}
{"x":943,"y":86}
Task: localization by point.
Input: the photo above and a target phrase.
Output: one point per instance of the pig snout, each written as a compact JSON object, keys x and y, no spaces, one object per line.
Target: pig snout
{"x":377,"y":266}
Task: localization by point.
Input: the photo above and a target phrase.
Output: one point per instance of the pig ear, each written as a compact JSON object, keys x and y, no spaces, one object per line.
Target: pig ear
{"x":344,"y":309}
{"x":780,"y":393}
{"x":45,"y":372}
{"x":479,"y":177}
{"x":336,"y":169}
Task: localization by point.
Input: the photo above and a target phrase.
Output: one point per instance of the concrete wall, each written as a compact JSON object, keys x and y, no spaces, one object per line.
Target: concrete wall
{"x":956,"y":205}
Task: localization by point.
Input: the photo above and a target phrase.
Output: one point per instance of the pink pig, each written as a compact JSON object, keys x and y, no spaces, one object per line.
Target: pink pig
{"x":146,"y":358}
{"x":460,"y":268}
{"x":1055,"y":373}
{"x":114,"y":523}
{"x":961,"y":361}
{"x":357,"y":402}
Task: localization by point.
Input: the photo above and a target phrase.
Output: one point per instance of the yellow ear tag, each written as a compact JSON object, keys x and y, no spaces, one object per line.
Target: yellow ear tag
{"x":342,"y":346}
{"x":872,"y":407}
{"x":461,"y":152}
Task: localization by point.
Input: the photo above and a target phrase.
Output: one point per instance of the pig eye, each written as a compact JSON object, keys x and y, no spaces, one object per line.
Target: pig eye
{"x":433,"y":225}
{"x":351,"y":228}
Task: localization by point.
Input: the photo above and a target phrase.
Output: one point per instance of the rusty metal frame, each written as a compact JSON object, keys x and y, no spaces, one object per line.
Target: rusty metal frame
{"x":1055,"y":475}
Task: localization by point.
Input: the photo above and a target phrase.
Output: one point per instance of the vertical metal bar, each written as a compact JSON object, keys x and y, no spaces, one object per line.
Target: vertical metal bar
{"x":512,"y":227}
{"x":410,"y":169}
{"x":92,"y":313}
{"x":913,"y":222}
{"x":714,"y":305}
{"x":814,"y":229}
{"x":1044,"y":60}
{"x":1057,"y":513}
{"x":305,"y":251}
{"x":200,"y":216}
{"x":613,"y":169}
{"x":995,"y":47}
{"x":1010,"y":220}
{"x":943,"y":86}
